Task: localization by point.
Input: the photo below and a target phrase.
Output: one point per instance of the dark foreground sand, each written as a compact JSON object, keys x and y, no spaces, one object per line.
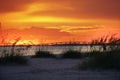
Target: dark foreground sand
{"x":54,"y":69}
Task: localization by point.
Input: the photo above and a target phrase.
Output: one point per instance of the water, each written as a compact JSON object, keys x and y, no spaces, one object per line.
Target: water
{"x":30,"y":50}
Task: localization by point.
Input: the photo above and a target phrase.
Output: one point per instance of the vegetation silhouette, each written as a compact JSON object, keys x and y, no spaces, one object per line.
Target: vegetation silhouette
{"x":12,"y":57}
{"x":107,"y":59}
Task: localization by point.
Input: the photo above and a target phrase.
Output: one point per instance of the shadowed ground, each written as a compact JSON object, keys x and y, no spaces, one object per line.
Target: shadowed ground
{"x":54,"y":69}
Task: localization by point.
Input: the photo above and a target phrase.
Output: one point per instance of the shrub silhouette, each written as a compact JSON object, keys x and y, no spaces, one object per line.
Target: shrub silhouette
{"x":44,"y":54}
{"x":109,"y":59}
{"x":71,"y":54}
{"x":13,"y":58}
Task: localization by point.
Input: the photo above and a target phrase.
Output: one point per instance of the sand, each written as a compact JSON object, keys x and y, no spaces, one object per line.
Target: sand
{"x":54,"y":69}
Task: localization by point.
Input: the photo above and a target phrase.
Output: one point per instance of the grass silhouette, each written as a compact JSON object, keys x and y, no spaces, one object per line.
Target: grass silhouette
{"x":71,"y":54}
{"x":108,"y":59}
{"x":43,"y":54}
{"x":12,"y":57}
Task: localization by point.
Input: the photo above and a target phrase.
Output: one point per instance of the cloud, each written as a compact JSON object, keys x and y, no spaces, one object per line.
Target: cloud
{"x":7,"y":6}
{"x":85,"y":28}
{"x":13,"y":5}
{"x":104,"y":9}
{"x":35,"y":33}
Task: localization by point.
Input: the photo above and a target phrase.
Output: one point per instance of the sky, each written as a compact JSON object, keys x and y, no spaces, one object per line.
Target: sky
{"x":49,"y":21}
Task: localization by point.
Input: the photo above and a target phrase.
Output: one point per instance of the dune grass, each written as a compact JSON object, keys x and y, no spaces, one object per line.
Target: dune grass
{"x":107,"y":59}
{"x":103,"y":60}
{"x":43,"y":54}
{"x":73,"y":54}
{"x":11,"y":58}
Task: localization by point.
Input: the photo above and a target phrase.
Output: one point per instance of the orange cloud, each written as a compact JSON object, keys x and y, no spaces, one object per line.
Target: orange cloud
{"x":104,"y":9}
{"x":81,"y":9}
{"x":35,"y":33}
{"x":7,"y":6}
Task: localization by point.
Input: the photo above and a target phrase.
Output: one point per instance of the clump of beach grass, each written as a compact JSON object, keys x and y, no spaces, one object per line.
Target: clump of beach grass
{"x":43,"y":54}
{"x":12,"y":57}
{"x":74,"y":54}
{"x":108,"y":59}
{"x":105,"y":60}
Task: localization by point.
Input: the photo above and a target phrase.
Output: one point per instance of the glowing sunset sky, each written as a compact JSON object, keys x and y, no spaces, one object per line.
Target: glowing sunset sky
{"x":40,"y":21}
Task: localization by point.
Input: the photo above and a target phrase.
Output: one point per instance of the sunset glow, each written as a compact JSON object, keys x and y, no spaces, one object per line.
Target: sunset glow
{"x":49,"y":21}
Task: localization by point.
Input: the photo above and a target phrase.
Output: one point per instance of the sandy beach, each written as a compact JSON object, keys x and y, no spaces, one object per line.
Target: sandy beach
{"x":54,"y":69}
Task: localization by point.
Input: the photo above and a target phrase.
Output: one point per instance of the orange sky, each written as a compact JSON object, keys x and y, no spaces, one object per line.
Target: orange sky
{"x":42,"y":21}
